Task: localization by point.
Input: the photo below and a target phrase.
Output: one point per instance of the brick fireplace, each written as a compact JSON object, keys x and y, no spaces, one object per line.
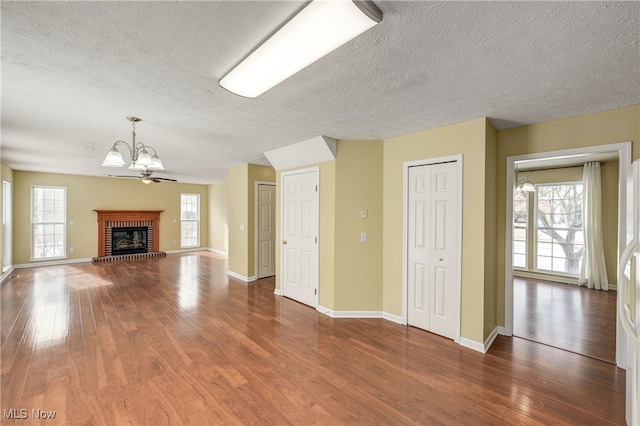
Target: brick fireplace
{"x":139,"y":219}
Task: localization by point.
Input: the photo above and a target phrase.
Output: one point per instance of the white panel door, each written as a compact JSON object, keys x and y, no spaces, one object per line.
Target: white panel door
{"x":432,"y":248}
{"x":266,"y":230}
{"x":300,"y":237}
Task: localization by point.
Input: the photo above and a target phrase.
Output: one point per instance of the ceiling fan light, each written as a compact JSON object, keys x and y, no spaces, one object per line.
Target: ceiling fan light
{"x":528,"y":187}
{"x":147,"y":180}
{"x":113,"y":159}
{"x":156,"y":163}
{"x":319,"y":28}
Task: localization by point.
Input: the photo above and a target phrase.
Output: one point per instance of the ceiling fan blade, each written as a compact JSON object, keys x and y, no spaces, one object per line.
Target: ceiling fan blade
{"x":121,"y":176}
{"x":157,"y":179}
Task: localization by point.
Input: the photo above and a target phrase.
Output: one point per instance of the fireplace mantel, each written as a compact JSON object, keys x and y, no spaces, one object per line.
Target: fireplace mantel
{"x":107,"y":218}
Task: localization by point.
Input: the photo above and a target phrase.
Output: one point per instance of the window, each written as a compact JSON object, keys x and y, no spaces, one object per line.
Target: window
{"x":520,"y":230}
{"x":48,"y":222}
{"x":189,"y":220}
{"x":559,"y":235}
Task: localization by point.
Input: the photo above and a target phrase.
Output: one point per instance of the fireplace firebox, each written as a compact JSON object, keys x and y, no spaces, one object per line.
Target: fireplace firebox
{"x":129,"y":240}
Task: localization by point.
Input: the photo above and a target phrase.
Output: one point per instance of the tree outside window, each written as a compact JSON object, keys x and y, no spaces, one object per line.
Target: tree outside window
{"x":560,"y":238}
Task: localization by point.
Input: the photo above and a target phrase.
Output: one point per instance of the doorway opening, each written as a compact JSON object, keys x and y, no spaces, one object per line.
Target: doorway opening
{"x":620,"y":152}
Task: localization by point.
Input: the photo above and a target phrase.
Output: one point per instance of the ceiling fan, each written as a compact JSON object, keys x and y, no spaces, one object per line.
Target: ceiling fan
{"x":146,"y":176}
{"x":140,"y":158}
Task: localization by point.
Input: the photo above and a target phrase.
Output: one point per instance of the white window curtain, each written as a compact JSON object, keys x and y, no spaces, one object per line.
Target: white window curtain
{"x":594,"y":271}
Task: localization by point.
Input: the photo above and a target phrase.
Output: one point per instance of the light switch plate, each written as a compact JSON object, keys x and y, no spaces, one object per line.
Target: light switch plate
{"x":363,"y":213}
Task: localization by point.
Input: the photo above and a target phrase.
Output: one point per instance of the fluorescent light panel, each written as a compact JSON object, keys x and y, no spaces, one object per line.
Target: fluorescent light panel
{"x":321,"y":27}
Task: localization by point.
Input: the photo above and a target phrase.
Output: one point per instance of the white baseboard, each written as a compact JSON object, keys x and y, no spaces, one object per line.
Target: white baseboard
{"x":489,"y":340}
{"x":242,"y":277}
{"x":6,"y":273}
{"x":472,"y":344}
{"x":52,"y":263}
{"x":502,"y":331}
{"x":393,"y":318}
{"x":220,"y":252}
{"x":185,"y":250}
{"x":348,"y":314}
{"x":277,"y":292}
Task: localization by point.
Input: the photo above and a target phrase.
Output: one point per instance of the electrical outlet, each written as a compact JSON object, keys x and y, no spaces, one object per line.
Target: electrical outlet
{"x":363,"y":237}
{"x":363,"y":213}
{"x":71,"y":249}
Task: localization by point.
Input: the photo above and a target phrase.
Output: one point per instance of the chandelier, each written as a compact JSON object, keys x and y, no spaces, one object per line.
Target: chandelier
{"x":138,"y":154}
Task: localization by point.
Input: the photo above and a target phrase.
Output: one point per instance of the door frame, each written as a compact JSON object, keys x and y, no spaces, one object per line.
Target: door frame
{"x":280,"y":235}
{"x":624,"y":160}
{"x":256,"y":214}
{"x":458,"y":159}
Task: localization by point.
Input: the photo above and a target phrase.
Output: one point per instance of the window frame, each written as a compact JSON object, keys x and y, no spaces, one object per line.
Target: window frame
{"x":536,"y":228}
{"x":196,"y":220}
{"x":525,"y":226}
{"x":33,"y":223}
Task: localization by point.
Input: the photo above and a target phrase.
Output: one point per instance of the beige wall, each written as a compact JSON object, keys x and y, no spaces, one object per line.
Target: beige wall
{"x":241,"y":213}
{"x":490,"y":224}
{"x":620,"y":125}
{"x":86,"y":193}
{"x":219,"y":216}
{"x":469,"y":139}
{"x":609,"y":179}
{"x":238,"y":216}
{"x":358,"y":265}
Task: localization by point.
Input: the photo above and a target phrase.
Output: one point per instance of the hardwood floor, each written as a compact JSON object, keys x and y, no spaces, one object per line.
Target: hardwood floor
{"x":565,"y":316}
{"x":175,"y":341}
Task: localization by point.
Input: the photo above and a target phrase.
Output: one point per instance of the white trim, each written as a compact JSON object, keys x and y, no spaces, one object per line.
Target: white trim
{"x":393,"y":318}
{"x":6,"y":274}
{"x":185,"y":250}
{"x":242,"y":277}
{"x":315,"y":169}
{"x":480,"y":347}
{"x":490,"y":339}
{"x":501,"y":330}
{"x":458,"y":158}
{"x":624,"y":158}
{"x":220,"y":252}
{"x":256,"y":201}
{"x":35,"y":264}
{"x":277,"y":292}
{"x":472,"y":344}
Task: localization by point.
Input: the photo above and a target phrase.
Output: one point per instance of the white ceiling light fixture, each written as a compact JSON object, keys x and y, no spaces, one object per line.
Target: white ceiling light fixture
{"x":138,"y":154}
{"x":321,"y":27}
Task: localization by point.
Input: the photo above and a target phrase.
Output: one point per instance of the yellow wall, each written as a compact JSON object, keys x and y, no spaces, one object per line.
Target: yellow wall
{"x":609,"y":209}
{"x":6,"y":175}
{"x":358,"y":265}
{"x":467,"y":138}
{"x":238,"y":216}
{"x":219,"y":216}
{"x":241,"y":213}
{"x":490,"y":224}
{"x":86,"y":193}
{"x":620,"y":125}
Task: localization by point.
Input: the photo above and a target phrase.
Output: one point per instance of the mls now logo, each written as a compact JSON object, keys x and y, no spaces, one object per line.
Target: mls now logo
{"x":15,"y":413}
{"x":41,"y":414}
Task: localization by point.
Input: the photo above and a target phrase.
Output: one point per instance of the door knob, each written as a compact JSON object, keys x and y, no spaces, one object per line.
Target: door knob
{"x":284,"y":242}
{"x":441,"y":259}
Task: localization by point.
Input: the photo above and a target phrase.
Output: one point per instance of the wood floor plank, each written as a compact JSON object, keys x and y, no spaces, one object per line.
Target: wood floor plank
{"x":177,"y":341}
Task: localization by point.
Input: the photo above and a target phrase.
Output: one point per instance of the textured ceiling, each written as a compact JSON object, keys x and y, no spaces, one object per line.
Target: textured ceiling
{"x":73,"y":71}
